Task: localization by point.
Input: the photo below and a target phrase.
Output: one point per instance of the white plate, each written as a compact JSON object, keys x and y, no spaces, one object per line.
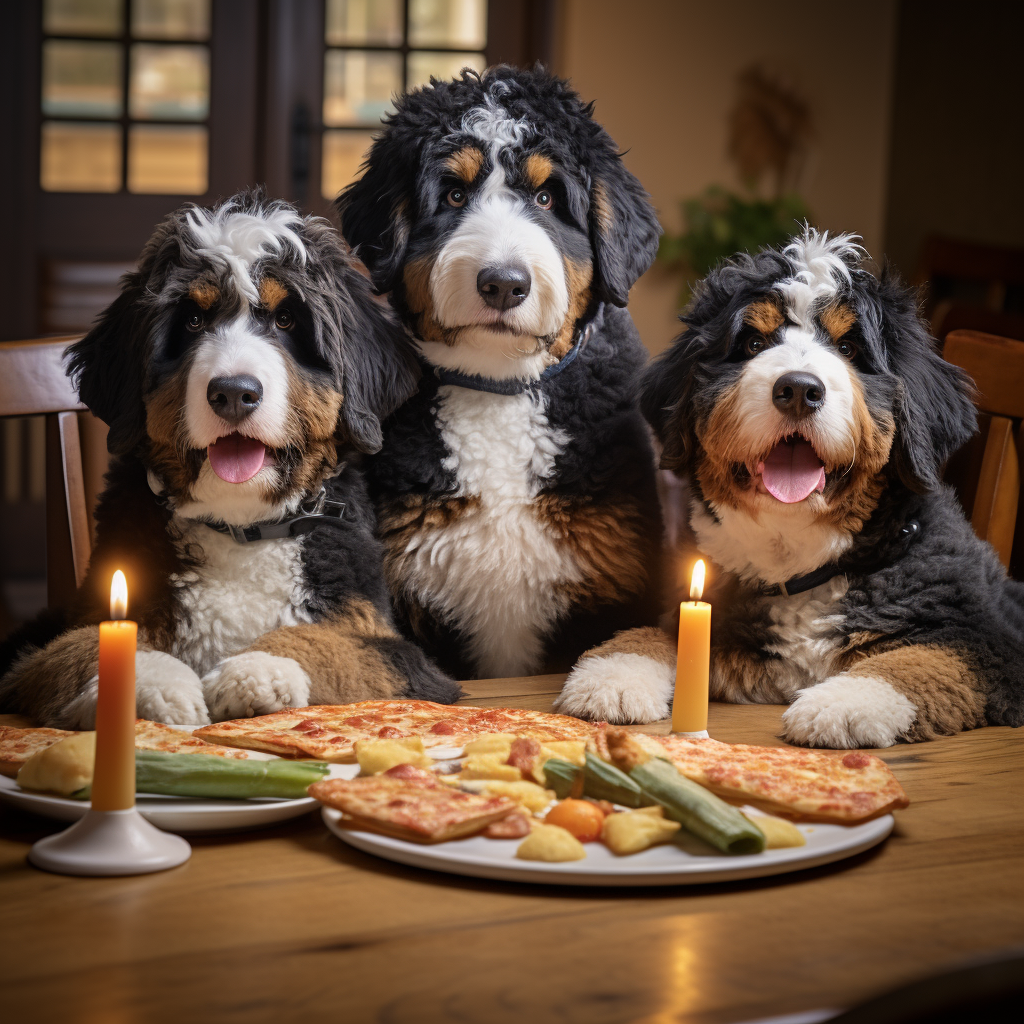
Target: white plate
{"x":661,"y":865}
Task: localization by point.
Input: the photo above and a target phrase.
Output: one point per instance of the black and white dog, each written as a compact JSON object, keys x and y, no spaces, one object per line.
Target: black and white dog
{"x":242,"y":369}
{"x":515,"y":490}
{"x":812,"y":414}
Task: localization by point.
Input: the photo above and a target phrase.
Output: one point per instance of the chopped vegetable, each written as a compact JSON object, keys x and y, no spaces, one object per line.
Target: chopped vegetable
{"x":550,"y":843}
{"x":578,"y":817}
{"x":603,"y":781}
{"x":696,"y":809}
{"x":564,"y":777}
{"x":633,"y":831}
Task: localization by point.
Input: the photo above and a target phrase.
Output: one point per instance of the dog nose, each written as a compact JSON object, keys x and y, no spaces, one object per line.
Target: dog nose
{"x":504,"y":287}
{"x":798,"y":394}
{"x":234,"y":398}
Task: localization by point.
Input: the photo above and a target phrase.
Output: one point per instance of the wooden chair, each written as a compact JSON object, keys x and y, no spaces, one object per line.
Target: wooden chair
{"x":987,"y":471}
{"x":32,"y":383}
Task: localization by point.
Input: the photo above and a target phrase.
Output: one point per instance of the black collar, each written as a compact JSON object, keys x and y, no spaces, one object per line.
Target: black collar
{"x":517,"y":385}
{"x":312,"y":512}
{"x":798,"y":584}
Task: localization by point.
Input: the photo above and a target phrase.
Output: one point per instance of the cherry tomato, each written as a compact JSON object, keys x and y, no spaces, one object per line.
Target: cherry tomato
{"x":580,"y":817}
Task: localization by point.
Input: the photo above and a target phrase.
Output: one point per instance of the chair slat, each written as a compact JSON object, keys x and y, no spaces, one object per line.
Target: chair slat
{"x":995,"y":508}
{"x":32,"y":378}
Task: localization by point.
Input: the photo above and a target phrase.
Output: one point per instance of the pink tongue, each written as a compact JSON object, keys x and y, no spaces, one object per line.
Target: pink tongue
{"x":236,"y":458}
{"x":792,"y":471}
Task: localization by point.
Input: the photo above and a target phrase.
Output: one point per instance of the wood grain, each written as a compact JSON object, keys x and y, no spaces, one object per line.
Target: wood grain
{"x":290,"y":923}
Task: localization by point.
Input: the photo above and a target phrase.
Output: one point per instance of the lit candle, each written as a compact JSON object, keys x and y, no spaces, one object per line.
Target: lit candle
{"x":113,"y":783}
{"x":693,"y":660}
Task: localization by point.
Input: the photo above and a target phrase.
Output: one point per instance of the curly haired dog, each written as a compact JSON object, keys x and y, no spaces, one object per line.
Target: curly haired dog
{"x":241,"y":371}
{"x":812,"y":414}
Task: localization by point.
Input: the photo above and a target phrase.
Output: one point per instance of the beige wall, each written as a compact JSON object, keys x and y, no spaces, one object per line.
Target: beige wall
{"x":663,"y":74}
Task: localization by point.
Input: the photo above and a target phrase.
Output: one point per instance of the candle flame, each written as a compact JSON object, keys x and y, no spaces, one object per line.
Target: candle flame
{"x":118,"y":596}
{"x":697,"y":581}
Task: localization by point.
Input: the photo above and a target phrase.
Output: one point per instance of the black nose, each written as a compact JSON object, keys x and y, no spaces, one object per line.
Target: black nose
{"x":799,"y":394}
{"x":234,"y":398}
{"x":504,"y":287}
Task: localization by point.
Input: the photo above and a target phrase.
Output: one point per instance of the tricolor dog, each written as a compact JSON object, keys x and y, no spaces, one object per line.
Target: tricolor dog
{"x":812,"y":414}
{"x":241,"y":371}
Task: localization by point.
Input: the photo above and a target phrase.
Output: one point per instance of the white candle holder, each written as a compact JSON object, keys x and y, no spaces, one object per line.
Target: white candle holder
{"x":702,"y":734}
{"x":110,"y":843}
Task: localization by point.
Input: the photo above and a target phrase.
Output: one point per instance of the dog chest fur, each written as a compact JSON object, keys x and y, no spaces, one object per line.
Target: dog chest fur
{"x":235,"y":594}
{"x":495,"y":573}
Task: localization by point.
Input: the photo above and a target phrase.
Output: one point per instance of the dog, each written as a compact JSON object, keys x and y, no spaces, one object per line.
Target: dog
{"x":516,"y":489}
{"x":241,"y":371}
{"x":811,"y":412}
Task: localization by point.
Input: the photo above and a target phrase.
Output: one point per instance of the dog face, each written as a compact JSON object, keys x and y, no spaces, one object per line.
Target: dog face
{"x":497,"y":212}
{"x":240,"y":355}
{"x":803,"y":384}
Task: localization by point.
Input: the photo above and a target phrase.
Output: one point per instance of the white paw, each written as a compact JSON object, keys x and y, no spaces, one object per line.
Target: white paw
{"x":618,"y":688}
{"x":848,"y":711}
{"x":167,"y":690}
{"x":255,"y":683}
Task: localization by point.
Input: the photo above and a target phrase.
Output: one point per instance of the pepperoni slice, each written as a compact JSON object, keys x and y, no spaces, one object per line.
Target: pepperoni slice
{"x":446,"y":727}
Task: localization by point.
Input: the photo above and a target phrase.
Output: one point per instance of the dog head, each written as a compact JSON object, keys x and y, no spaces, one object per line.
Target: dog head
{"x":802,"y":385}
{"x":244,"y":351}
{"x":497,"y":212}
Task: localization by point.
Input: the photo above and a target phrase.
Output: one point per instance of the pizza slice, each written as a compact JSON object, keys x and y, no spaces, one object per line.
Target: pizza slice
{"x":811,"y":785}
{"x":414,"y":809}
{"x":18,"y":745}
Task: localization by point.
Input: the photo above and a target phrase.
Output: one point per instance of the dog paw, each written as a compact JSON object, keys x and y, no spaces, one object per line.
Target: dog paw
{"x":618,"y":688}
{"x":848,"y":711}
{"x":167,"y":690}
{"x":255,"y":683}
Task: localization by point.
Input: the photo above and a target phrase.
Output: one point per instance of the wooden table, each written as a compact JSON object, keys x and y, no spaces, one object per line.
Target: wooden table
{"x":290,"y":923}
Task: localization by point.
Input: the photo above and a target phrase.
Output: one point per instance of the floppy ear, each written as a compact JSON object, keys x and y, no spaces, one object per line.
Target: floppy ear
{"x":665,"y":400}
{"x":624,"y":230}
{"x":376,"y":212}
{"x":934,"y":410}
{"x":108,"y":367}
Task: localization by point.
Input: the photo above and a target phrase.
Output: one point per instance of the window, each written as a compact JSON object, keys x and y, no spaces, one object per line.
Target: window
{"x":378,"y":49}
{"x":125,"y":96}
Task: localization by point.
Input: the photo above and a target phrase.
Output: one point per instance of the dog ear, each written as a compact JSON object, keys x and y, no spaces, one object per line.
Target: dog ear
{"x":665,"y":400}
{"x":375,"y":211}
{"x":108,"y":367}
{"x":934,"y":409}
{"x":624,"y":230}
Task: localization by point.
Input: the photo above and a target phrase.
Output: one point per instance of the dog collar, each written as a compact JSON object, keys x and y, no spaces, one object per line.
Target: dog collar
{"x":312,"y":512}
{"x":799,"y":584}
{"x":515,"y":385}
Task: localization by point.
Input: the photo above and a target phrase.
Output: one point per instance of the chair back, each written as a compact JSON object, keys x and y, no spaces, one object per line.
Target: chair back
{"x":987,"y":472}
{"x":33,"y":383}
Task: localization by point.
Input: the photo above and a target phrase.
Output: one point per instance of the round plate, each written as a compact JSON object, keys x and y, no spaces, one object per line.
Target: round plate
{"x":688,"y":862}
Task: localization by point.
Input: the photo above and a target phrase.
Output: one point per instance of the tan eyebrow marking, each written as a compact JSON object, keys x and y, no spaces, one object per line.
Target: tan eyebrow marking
{"x":538,"y":169}
{"x":466,"y":163}
{"x":602,"y":209}
{"x":837,"y":320}
{"x":764,"y":316}
{"x":272,"y":293}
{"x":203,"y":294}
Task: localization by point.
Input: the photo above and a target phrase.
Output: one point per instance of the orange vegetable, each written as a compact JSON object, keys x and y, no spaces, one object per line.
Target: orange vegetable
{"x":579,"y":817}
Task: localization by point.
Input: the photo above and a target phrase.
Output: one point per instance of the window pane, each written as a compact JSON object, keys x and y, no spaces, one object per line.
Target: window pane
{"x":171,"y":19}
{"x":460,"y":24}
{"x":344,"y":153}
{"x":80,"y":157}
{"x":166,"y":158}
{"x":81,"y":79}
{"x":378,"y":22}
{"x":170,"y":81}
{"x":424,"y":63}
{"x":359,"y":84}
{"x":83,"y":17}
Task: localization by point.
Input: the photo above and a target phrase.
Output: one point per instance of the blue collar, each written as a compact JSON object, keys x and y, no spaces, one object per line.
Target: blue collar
{"x":515,"y":385}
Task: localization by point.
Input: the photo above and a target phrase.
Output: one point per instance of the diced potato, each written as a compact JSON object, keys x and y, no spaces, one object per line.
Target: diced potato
{"x":64,"y":768}
{"x":550,"y":843}
{"x":778,"y":832}
{"x":567,"y":750}
{"x":491,"y":743}
{"x":490,"y":766}
{"x":528,"y":795}
{"x":632,"y":831}
{"x":376,"y":756}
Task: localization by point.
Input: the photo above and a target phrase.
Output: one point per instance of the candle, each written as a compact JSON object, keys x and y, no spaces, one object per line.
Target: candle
{"x":693,"y":659}
{"x":113,"y":782}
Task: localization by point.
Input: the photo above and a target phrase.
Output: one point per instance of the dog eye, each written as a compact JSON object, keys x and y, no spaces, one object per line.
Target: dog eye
{"x":544,"y":199}
{"x":284,"y":320}
{"x":754,"y":345}
{"x":194,"y":322}
{"x":457,"y":197}
{"x":847,"y":348}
